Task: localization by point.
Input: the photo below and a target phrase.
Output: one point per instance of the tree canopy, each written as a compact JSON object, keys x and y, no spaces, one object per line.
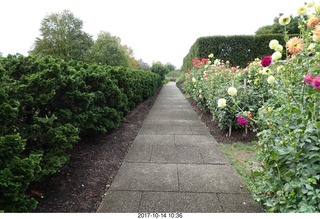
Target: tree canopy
{"x":62,"y":37}
{"x":108,"y":50}
{"x":276,"y":28}
{"x":160,"y":69}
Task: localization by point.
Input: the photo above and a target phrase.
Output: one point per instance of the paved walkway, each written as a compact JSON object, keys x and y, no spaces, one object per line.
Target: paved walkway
{"x":175,"y":165}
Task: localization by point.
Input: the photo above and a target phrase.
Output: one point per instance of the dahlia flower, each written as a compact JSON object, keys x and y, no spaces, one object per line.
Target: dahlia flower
{"x":302,"y":10}
{"x":308,"y":78}
{"x":276,"y":55}
{"x":284,"y":20}
{"x":295,"y":45}
{"x":271,"y":79}
{"x":222,"y":103}
{"x":232,"y":91}
{"x":273,"y":44}
{"x":266,"y":61}
{"x":312,"y":21}
{"x":242,"y":121}
{"x":316,"y":32}
{"x":279,"y":48}
{"x":316,"y":82}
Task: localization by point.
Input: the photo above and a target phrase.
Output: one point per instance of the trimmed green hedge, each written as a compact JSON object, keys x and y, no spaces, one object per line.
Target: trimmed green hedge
{"x":238,"y":50}
{"x":46,"y":105}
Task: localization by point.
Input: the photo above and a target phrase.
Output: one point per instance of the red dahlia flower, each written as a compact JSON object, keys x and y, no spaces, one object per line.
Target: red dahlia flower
{"x":204,"y":61}
{"x":266,"y":61}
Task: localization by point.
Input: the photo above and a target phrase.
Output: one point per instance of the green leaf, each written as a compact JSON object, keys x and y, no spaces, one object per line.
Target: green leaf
{"x":309,"y":187}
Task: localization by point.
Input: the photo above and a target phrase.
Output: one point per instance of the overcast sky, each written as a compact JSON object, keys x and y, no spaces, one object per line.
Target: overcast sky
{"x":156,"y":30}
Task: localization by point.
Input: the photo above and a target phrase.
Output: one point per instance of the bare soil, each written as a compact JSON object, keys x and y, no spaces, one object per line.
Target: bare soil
{"x":81,"y":184}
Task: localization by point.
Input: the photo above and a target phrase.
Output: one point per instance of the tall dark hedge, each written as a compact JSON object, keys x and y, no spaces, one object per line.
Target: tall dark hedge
{"x":47,"y":105}
{"x":238,"y":50}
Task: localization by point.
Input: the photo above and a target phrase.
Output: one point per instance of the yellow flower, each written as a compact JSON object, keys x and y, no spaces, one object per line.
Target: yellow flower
{"x":194,"y":80}
{"x":310,"y":4}
{"x":222,"y":103}
{"x":279,"y":48}
{"x":284,"y":20}
{"x":271,"y":79}
{"x":311,"y":46}
{"x":266,"y":71}
{"x":211,"y":55}
{"x":280,"y":68}
{"x":200,"y":97}
{"x":273,"y":44}
{"x":295,"y":45}
{"x":232,"y":91}
{"x":276,"y":56}
{"x":302,"y":10}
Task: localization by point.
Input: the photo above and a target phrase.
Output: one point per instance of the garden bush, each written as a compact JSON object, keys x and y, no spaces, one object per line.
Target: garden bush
{"x":47,"y":105}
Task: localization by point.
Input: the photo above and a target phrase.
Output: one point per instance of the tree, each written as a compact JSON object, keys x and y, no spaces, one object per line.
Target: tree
{"x":170,"y":67}
{"x":276,"y":28}
{"x":107,"y":50}
{"x":160,"y":69}
{"x":62,"y":37}
{"x":143,"y":65}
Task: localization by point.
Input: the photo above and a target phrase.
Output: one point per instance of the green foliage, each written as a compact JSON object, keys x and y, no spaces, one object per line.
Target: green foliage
{"x":50,"y":104}
{"x":238,"y":50}
{"x":276,"y":28}
{"x":62,"y":37}
{"x":107,"y":50}
{"x":170,"y":67}
{"x":160,"y":69}
{"x":16,"y":173}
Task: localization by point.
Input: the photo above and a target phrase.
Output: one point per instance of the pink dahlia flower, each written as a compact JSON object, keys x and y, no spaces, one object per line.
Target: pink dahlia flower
{"x":316,"y":83}
{"x":242,"y":121}
{"x":308,"y":78}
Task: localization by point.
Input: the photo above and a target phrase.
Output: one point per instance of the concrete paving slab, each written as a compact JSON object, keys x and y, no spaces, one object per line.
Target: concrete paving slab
{"x":186,"y":122}
{"x":213,"y":155}
{"x":165,"y":154}
{"x":161,"y":114}
{"x":239,"y":203}
{"x":174,"y":129}
{"x":152,"y":121}
{"x":189,"y":155}
{"x":146,"y":177}
{"x":209,"y":178}
{"x":186,"y":115}
{"x":179,"y":202}
{"x":194,"y":140}
{"x":176,"y":155}
{"x":151,"y":140}
{"x":199,"y":129}
{"x":139,"y":153}
{"x":149,"y":129}
{"x":120,"y":201}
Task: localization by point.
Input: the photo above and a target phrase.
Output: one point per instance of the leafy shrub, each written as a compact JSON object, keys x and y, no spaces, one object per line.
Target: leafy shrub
{"x":47,"y":104}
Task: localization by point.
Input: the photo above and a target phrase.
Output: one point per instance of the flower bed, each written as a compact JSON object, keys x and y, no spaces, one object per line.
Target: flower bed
{"x":281,"y":100}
